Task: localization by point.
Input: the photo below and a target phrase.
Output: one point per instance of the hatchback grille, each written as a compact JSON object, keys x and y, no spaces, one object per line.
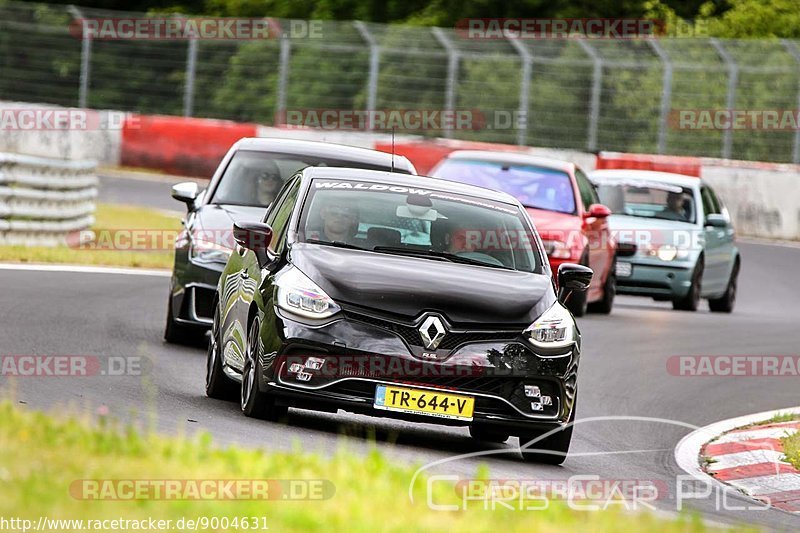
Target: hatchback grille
{"x":410,"y":334}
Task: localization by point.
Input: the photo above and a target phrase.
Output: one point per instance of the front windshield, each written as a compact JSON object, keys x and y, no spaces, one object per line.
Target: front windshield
{"x":541,"y":188}
{"x":419,"y":222}
{"x":648,"y":200}
{"x":255,"y":177}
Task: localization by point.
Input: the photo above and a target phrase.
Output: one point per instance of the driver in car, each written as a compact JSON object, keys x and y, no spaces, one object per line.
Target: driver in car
{"x":675,"y":208}
{"x":339,"y":223}
{"x":268,"y":182}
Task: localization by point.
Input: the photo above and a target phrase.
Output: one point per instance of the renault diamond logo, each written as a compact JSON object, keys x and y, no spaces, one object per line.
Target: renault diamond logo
{"x":432,"y":332}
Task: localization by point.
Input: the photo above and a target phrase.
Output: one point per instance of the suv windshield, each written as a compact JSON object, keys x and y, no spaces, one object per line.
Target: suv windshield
{"x":541,"y":188}
{"x":255,"y":177}
{"x":648,"y":200}
{"x":418,"y":222}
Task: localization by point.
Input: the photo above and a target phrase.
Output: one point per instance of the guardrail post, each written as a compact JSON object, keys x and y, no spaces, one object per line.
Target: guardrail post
{"x":374,"y":65}
{"x":283,"y":78}
{"x":453,"y":57}
{"x":86,"y":56}
{"x":793,"y":49}
{"x":730,"y":102}
{"x":666,"y":94}
{"x":597,"y":88}
{"x":191,"y":66}
{"x":524,"y":89}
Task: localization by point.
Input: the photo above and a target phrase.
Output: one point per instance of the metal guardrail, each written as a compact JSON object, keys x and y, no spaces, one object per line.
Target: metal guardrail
{"x":42,"y":200}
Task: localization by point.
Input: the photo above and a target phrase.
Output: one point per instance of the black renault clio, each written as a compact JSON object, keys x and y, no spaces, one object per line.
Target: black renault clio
{"x":402,"y":296}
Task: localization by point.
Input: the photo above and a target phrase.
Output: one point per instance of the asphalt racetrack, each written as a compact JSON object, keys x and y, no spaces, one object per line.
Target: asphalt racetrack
{"x":632,"y":410}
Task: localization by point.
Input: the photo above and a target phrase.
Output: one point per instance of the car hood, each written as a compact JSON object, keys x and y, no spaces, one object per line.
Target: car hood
{"x":637,"y":230}
{"x":551,"y":222}
{"x":218,"y":219}
{"x":407,"y":286}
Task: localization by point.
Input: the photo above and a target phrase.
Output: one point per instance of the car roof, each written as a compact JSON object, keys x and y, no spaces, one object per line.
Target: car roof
{"x":408,"y":180}
{"x":514,"y":158}
{"x":324,"y":149}
{"x":668,"y":178}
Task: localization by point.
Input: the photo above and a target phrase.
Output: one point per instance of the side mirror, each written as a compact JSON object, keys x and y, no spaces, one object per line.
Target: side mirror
{"x":572,"y":277}
{"x":255,"y":236}
{"x":717,"y":221}
{"x":186,"y":192}
{"x":597,"y":211}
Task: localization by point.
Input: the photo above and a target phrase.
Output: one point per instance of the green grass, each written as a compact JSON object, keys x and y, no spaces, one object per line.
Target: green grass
{"x":109,"y":217}
{"x":791,"y":449}
{"x":43,"y":456}
{"x":783,"y":417}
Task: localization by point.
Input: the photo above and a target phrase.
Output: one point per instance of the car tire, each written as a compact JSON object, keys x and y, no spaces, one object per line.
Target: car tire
{"x":551,"y":450}
{"x":218,"y":385}
{"x":485,"y":434}
{"x":605,"y":305}
{"x":726,"y":302}
{"x":175,"y":333}
{"x":256,"y":403}
{"x":691,"y":301}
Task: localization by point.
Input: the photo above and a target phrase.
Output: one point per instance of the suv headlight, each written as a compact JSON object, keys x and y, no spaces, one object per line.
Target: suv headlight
{"x":668,"y":252}
{"x":555,"y":328}
{"x":298,"y":295}
{"x":203,"y":251}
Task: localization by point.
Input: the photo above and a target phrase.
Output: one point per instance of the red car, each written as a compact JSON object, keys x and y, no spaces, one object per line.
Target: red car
{"x":563,"y":205}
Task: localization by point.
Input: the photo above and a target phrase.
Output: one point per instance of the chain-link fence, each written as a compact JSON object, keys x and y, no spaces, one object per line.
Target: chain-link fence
{"x":585,"y":94}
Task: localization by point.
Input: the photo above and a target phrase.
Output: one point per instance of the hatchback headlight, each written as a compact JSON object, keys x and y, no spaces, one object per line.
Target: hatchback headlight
{"x":555,"y":328}
{"x":298,"y":295}
{"x":203,"y":251}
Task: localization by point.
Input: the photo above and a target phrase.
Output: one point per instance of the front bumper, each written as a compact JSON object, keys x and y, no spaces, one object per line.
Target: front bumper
{"x":356,"y":352}
{"x":659,"y":279}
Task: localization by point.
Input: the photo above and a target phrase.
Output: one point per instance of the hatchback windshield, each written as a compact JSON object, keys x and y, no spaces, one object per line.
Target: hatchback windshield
{"x":419,"y":222}
{"x":541,"y":188}
{"x":648,"y":200}
{"x":255,"y":177}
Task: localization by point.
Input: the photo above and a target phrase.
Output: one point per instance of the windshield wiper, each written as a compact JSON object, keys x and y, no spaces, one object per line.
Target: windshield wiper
{"x":337,"y":244}
{"x":447,"y":256}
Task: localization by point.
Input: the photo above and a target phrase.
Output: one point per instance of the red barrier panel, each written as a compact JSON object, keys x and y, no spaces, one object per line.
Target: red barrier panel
{"x":689,"y":166}
{"x":178,"y":145}
{"x":425,"y":154}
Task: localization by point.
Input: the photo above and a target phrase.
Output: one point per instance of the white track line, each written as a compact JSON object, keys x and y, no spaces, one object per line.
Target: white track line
{"x":85,"y":269}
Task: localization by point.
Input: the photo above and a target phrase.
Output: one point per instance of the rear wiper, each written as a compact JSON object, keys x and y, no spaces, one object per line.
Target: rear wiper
{"x":337,"y":244}
{"x":447,"y":256}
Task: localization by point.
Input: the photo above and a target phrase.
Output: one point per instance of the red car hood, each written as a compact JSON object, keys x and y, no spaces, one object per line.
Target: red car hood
{"x":554,"y":226}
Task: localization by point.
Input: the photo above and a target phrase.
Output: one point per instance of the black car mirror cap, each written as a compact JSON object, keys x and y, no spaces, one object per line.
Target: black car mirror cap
{"x":571,"y":278}
{"x":255,"y":236}
{"x":186,"y":192}
{"x":716,"y":221}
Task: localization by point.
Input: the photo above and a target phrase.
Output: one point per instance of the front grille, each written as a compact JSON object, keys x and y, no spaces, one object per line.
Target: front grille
{"x":410,"y":334}
{"x":625,"y":249}
{"x":204,"y":302}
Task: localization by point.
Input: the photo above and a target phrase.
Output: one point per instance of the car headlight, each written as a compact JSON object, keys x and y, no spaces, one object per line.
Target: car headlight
{"x":555,"y":328}
{"x":556,"y":249}
{"x":668,"y":252}
{"x":299,"y":295}
{"x":203,"y":251}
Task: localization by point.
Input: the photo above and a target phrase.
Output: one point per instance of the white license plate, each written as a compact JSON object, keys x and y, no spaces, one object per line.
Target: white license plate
{"x":624,"y":270}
